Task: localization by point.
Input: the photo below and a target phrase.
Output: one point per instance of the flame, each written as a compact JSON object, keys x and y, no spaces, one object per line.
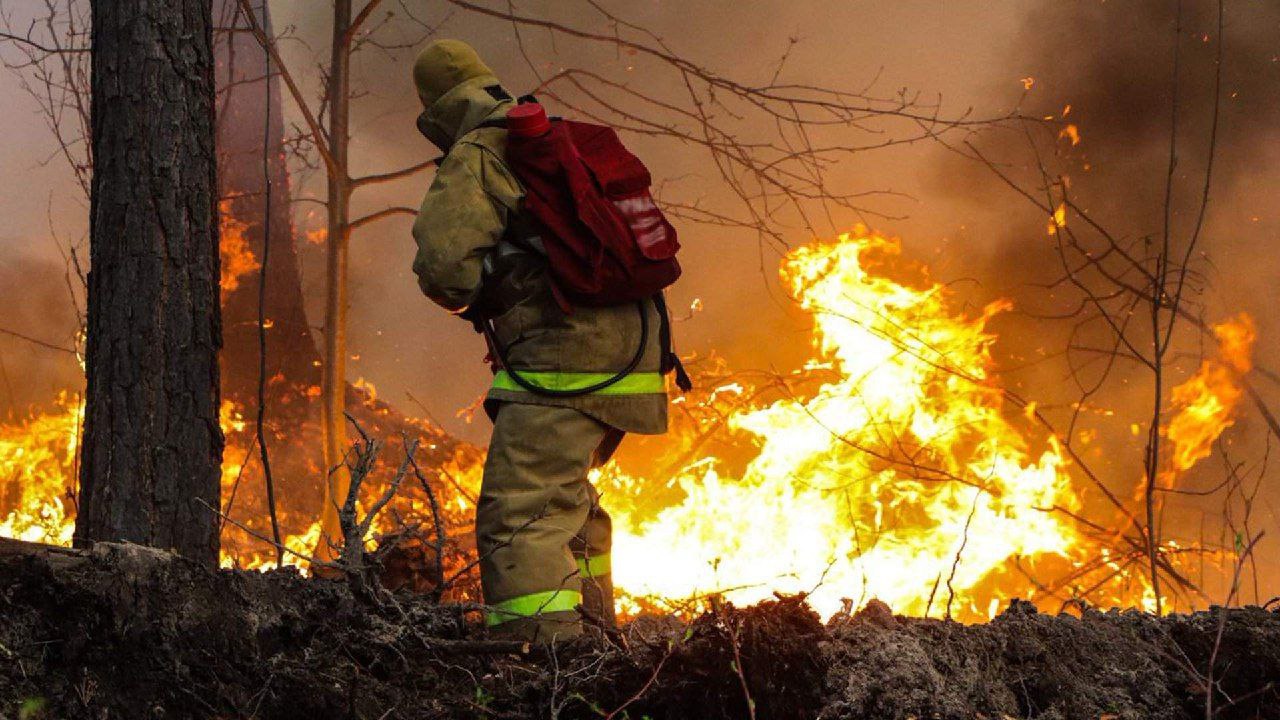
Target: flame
{"x":39,"y":468}
{"x":905,"y":477}
{"x":368,"y":387}
{"x":237,"y":259}
{"x":1204,"y":406}
{"x":1070,"y":132}
{"x":38,"y":480}
{"x":37,"y":473}
{"x":254,"y":553}
{"x":1058,"y":220}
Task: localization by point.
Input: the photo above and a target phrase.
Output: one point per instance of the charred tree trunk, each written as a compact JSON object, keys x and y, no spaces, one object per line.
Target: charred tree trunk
{"x":251,"y":149}
{"x":152,"y":443}
{"x":244,"y":141}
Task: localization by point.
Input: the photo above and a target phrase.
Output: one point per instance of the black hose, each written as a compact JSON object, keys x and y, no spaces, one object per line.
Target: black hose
{"x":533,"y":387}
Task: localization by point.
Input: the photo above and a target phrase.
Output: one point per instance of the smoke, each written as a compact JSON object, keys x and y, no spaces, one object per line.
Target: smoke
{"x":38,"y":304}
{"x":1114,"y":64}
{"x":1108,"y":68}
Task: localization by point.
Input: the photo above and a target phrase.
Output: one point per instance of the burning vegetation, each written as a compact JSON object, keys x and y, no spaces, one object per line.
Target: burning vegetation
{"x":887,"y":448}
{"x":892,"y":465}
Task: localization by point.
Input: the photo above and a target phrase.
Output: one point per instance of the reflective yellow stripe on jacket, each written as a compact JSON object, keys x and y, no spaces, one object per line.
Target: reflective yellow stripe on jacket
{"x":640,"y":383}
{"x":533,"y":605}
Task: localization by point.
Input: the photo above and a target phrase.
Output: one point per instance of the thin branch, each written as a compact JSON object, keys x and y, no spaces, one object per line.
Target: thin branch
{"x":28,"y":42}
{"x":260,"y":425}
{"x":359,"y":20}
{"x":39,"y":342}
{"x":393,"y":175}
{"x":379,"y":215}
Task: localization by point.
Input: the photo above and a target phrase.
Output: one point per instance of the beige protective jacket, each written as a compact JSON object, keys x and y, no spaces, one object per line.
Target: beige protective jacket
{"x":463,"y":263}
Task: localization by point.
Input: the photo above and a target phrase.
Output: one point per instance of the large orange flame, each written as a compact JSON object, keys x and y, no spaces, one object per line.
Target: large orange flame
{"x":39,"y":467}
{"x":1204,"y":406}
{"x":233,"y":246}
{"x":37,"y":464}
{"x":904,"y":478}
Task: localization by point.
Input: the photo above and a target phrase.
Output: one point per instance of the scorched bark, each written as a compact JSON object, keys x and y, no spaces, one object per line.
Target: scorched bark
{"x":152,"y":444}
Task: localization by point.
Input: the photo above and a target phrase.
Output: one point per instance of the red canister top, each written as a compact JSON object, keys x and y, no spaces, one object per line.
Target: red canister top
{"x":528,"y":120}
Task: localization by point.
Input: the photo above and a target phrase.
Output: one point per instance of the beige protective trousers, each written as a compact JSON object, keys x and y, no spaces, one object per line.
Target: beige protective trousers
{"x":543,"y":538}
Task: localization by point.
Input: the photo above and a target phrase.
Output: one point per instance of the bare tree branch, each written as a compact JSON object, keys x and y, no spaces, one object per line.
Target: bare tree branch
{"x":393,"y":175}
{"x":381,"y":214}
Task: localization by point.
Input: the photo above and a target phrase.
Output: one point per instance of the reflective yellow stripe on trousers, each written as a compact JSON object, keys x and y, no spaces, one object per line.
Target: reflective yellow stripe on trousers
{"x":640,"y":383}
{"x":595,"y":565}
{"x":532,"y":605}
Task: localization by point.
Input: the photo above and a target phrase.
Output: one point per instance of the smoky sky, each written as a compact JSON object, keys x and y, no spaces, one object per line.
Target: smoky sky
{"x":1108,"y":60}
{"x":1109,"y":66}
{"x":35,"y":296}
{"x":1113,"y":63}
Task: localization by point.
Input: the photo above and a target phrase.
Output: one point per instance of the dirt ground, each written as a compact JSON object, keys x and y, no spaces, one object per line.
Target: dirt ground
{"x":130,"y":633}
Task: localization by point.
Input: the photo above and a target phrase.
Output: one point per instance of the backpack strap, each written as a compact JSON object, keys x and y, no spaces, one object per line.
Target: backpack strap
{"x":502,"y":122}
{"x":497,"y":92}
{"x":670,"y":361}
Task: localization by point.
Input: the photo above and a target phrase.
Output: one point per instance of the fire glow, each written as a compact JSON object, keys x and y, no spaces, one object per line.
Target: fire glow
{"x":898,"y":468}
{"x":910,"y":477}
{"x":870,"y":486}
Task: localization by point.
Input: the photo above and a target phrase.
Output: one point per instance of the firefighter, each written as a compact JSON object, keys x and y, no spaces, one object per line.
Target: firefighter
{"x":543,"y":539}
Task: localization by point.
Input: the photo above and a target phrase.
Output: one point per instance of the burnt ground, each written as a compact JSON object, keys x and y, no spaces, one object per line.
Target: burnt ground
{"x":130,"y":633}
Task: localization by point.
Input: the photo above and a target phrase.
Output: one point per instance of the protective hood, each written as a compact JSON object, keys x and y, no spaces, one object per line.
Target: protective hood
{"x":443,"y":65}
{"x":462,"y":109}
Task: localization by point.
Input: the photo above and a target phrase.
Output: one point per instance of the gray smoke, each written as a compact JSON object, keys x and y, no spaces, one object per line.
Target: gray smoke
{"x":37,"y":304}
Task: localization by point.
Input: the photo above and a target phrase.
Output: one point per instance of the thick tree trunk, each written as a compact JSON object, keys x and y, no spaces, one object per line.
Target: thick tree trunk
{"x":152,"y":443}
{"x":334,"y":386}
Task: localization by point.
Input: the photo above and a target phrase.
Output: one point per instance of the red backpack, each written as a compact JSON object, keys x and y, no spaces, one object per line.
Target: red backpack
{"x":606,"y":240}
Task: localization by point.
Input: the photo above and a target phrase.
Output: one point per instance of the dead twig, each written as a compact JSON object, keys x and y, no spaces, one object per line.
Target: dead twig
{"x":1210,"y":683}
{"x":361,"y":462}
{"x":964,"y":541}
{"x":735,"y":629}
{"x":38,"y":342}
{"x":441,"y":532}
{"x":310,"y":560}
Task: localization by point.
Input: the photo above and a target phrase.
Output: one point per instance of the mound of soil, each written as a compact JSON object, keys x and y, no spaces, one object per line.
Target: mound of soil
{"x":126,"y":632}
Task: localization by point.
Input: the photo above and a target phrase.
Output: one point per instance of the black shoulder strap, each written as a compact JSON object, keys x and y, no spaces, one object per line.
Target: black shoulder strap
{"x":497,"y":92}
